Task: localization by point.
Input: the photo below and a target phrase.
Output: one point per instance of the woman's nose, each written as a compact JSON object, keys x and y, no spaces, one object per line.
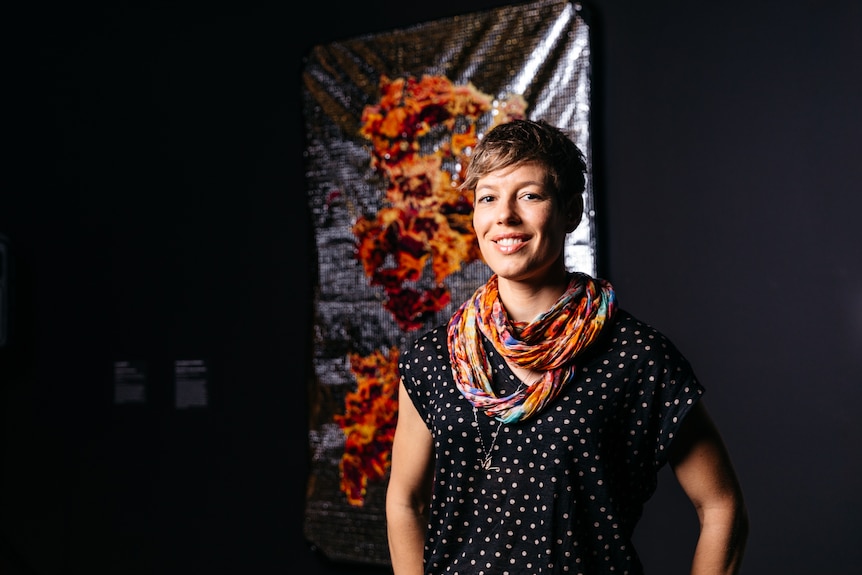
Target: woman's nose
{"x":507,"y":213}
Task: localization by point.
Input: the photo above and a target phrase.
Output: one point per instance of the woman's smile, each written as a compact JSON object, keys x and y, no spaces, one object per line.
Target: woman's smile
{"x":510,"y":243}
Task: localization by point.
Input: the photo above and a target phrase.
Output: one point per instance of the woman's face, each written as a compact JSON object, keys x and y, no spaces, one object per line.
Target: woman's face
{"x":520,"y":224}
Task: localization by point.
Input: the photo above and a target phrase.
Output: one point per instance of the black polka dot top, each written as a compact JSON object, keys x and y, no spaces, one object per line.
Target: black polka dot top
{"x":562,"y":491}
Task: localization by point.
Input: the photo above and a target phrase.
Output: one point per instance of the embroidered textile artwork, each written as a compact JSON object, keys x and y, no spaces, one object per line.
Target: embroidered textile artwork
{"x":390,"y":121}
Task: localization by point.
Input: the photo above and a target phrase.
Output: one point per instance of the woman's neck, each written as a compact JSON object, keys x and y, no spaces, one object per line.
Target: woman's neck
{"x":525,"y":301}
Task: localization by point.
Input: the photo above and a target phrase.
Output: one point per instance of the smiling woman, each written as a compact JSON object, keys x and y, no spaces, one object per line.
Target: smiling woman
{"x":583,"y":403}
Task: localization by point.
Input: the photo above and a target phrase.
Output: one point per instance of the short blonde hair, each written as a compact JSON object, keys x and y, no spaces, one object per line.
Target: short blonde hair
{"x":528,"y":141}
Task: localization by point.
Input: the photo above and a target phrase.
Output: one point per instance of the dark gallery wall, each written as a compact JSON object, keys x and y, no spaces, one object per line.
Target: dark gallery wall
{"x":152,"y":196}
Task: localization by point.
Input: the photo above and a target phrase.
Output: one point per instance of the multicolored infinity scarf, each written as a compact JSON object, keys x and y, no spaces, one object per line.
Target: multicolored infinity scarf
{"x":549,"y":343}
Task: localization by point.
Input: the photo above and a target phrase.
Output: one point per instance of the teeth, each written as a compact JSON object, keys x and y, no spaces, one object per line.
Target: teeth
{"x":509,"y":241}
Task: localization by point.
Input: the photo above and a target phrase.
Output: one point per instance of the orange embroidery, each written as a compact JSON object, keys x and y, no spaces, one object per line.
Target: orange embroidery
{"x":421,"y":133}
{"x":368,"y":422}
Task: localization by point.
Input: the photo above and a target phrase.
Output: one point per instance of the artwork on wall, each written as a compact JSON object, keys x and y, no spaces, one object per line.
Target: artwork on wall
{"x":390,"y":121}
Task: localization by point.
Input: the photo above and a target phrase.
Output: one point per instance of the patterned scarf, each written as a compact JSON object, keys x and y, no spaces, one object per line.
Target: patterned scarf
{"x":549,"y":343}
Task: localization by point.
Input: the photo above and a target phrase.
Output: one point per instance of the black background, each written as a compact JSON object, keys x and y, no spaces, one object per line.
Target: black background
{"x":153,"y":197}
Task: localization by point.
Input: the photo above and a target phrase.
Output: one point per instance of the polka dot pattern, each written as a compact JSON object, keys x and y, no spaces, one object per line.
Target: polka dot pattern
{"x":565,"y":488}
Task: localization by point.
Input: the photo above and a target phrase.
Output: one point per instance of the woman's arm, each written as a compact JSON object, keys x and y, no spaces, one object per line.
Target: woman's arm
{"x":702,"y":466}
{"x":409,"y":490}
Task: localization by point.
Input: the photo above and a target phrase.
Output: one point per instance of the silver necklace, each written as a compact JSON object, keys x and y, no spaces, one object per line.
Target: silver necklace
{"x":485,"y":462}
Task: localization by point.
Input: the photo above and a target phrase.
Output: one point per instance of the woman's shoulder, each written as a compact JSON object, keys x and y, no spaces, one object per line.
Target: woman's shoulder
{"x":626,"y":330}
{"x":433,"y":339}
{"x":432,"y":335}
{"x":626,"y":322}
{"x":423,"y":361}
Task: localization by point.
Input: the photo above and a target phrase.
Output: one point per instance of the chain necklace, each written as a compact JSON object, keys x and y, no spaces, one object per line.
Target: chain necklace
{"x":485,"y":462}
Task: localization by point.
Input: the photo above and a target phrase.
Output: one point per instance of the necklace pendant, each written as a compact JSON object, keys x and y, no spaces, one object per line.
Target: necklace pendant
{"x":485,"y":462}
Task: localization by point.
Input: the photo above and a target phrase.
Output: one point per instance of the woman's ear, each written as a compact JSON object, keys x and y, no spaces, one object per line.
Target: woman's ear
{"x":574,"y":213}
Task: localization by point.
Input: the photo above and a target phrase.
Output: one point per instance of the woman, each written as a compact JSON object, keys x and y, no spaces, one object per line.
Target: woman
{"x":532,"y":426}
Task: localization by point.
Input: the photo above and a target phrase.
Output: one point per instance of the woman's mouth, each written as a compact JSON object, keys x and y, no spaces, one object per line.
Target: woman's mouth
{"x":509,"y":245}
